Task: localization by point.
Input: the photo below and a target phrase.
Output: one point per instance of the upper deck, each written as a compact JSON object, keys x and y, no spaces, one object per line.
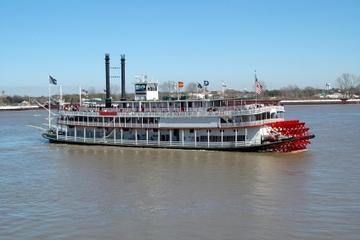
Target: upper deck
{"x":177,"y":108}
{"x":174,"y":114}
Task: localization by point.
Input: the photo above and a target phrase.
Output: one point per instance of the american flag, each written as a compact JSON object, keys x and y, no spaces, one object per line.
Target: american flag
{"x":258,"y":86}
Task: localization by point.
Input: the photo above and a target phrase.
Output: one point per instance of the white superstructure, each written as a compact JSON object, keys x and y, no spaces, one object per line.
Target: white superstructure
{"x":146,"y":90}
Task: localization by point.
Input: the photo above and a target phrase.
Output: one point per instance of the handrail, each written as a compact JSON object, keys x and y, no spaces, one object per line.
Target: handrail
{"x":156,"y":125}
{"x":250,"y":124}
{"x":161,"y":143}
{"x":200,"y":112}
{"x":109,"y":124}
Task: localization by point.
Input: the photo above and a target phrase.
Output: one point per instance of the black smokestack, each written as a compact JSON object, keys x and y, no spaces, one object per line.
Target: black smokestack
{"x":107,"y":78}
{"x":123,"y":94}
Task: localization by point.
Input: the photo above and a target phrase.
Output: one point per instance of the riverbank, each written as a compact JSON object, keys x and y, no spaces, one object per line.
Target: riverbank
{"x":18,"y":108}
{"x":320,"y":101}
{"x":282,"y":102}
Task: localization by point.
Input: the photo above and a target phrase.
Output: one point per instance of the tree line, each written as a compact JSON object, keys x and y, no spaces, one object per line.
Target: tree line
{"x":348,"y":85}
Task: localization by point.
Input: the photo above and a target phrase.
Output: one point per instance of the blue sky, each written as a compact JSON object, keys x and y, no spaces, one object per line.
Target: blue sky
{"x":303,"y":43}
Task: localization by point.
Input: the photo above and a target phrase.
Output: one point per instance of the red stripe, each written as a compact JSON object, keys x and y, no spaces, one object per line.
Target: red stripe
{"x":105,"y":113}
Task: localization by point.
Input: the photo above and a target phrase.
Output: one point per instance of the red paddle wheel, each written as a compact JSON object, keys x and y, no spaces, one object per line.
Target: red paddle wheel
{"x":295,"y":129}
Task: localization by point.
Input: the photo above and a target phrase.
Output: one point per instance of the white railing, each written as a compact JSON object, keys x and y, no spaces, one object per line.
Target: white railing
{"x":156,"y":125}
{"x":251,"y":123}
{"x":108,"y":124}
{"x":177,"y":144}
{"x":196,"y":112}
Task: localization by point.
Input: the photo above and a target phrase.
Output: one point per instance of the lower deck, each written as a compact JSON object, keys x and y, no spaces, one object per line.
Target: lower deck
{"x":191,"y":138}
{"x":284,"y":136}
{"x":245,"y":146}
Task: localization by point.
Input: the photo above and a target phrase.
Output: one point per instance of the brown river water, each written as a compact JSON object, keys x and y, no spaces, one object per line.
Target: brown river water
{"x":56,"y":191}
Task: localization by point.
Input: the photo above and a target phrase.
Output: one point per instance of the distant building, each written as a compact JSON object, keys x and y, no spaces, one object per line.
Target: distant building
{"x":334,"y":96}
{"x":197,"y":95}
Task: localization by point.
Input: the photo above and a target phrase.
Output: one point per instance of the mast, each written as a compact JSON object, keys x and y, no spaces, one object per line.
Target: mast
{"x":255,"y":88}
{"x":80,"y":100}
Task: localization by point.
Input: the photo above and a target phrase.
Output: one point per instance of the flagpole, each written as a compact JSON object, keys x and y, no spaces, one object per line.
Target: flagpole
{"x":178,"y":91}
{"x":223,"y":89}
{"x":80,"y":95}
{"x":61,"y":98}
{"x":49,"y":107}
{"x":204,"y":90}
{"x":256,"y":95}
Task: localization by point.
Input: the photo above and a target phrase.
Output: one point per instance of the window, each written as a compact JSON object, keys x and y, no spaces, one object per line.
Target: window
{"x":203,"y":138}
{"x":215,"y":138}
{"x":241,"y":138}
{"x":152,"y":87}
{"x":229,"y":138}
{"x":140,"y":87}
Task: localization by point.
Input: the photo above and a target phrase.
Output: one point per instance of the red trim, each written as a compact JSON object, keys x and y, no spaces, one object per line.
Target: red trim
{"x":106,"y":113}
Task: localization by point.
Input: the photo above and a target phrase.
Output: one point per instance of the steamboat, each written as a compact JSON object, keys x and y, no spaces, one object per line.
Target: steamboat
{"x":203,"y":124}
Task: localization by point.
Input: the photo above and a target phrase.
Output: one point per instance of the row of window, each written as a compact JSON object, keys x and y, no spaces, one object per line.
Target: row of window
{"x":165,"y":137}
{"x":249,"y":118}
{"x":110,"y":119}
{"x":218,"y":138}
{"x":153,"y":120}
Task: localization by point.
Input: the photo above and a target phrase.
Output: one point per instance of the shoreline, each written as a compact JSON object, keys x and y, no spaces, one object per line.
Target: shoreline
{"x":282,"y":102}
{"x":19,"y":108}
{"x":319,"y":101}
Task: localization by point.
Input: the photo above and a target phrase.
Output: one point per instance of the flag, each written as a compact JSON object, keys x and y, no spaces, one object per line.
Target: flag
{"x":52,"y":80}
{"x":199,"y":85}
{"x":84,"y":91}
{"x":180,"y":84}
{"x":258,"y":87}
{"x":206,"y":83}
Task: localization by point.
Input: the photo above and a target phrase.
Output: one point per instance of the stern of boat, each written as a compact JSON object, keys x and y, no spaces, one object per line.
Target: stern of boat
{"x":296,"y":130}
